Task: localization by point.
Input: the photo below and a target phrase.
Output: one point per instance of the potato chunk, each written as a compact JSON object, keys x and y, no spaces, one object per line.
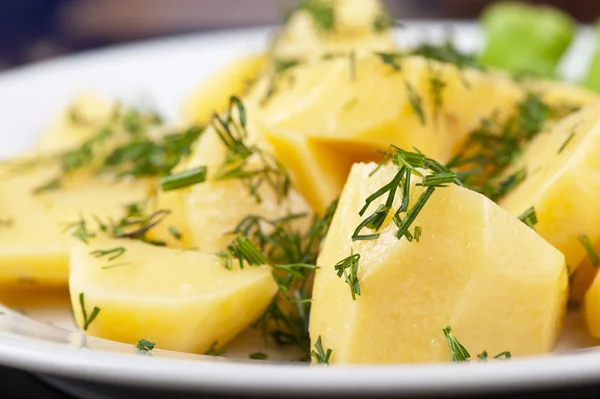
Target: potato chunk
{"x":563,"y":183}
{"x":213,"y":94}
{"x":476,"y":268}
{"x":182,"y":301}
{"x":33,"y":244}
{"x":342,"y":111}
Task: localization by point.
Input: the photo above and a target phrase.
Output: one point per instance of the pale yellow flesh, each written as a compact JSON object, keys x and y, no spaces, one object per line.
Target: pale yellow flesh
{"x":214,"y":208}
{"x":181,"y":300}
{"x":302,"y":39}
{"x":328,"y":107}
{"x":591,"y":307}
{"x":34,"y":246}
{"x":563,"y":186}
{"x":213,"y":95}
{"x":476,"y":268}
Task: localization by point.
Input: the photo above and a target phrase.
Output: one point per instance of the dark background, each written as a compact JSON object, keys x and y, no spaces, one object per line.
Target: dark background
{"x":32,"y":30}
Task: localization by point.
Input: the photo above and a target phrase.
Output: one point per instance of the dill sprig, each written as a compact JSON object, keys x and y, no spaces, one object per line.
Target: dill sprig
{"x":351,"y":278}
{"x":294,"y":255}
{"x":529,"y":217}
{"x":87,"y":320}
{"x":589,"y":249}
{"x":123,"y":146}
{"x":458,"y":353}
{"x":112,"y":254}
{"x":321,"y":355}
{"x":321,"y":12}
{"x":231,"y":129}
{"x":183,"y":179}
{"x":416,"y":101}
{"x":144,"y":346}
{"x":499,"y":144}
{"x":409,"y":163}
{"x":215,"y":350}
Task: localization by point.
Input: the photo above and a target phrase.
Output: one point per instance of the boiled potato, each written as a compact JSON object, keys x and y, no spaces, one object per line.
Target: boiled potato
{"x":591,"y":307}
{"x":476,"y":268}
{"x":213,"y":95}
{"x":563,"y":183}
{"x":183,"y":301}
{"x":557,"y":93}
{"x":77,"y":123}
{"x":33,"y":244}
{"x":214,"y":208}
{"x":338,"y":112}
{"x":175,"y":229}
{"x":333,"y":27}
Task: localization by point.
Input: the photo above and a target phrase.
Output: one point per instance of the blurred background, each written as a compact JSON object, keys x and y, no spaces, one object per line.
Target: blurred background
{"x":32,"y":30}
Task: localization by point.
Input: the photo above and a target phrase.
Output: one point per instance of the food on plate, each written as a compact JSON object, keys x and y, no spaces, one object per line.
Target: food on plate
{"x":526,"y":39}
{"x":491,"y":277}
{"x":468,"y":195}
{"x":318,"y":127}
{"x":213,"y":95}
{"x":180,"y":300}
{"x":35,"y":212}
{"x":561,"y":170}
{"x":319,"y":28}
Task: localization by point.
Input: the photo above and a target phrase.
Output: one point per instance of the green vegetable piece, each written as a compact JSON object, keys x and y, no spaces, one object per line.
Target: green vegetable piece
{"x":592,"y":79}
{"x":525,"y":39}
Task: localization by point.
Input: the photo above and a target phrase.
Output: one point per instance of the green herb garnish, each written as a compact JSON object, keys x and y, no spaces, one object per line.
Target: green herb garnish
{"x":415,"y":101}
{"x":214,"y":350}
{"x":321,"y":355}
{"x":87,"y":320}
{"x":231,"y":129}
{"x":566,"y":143}
{"x":258,"y":356}
{"x":351,"y":278}
{"x":174,"y":232}
{"x":143,"y":345}
{"x":322,"y":13}
{"x":459,"y":353}
{"x":529,"y":217}
{"x":589,"y":248}
{"x":111,"y":253}
{"x":183,"y":179}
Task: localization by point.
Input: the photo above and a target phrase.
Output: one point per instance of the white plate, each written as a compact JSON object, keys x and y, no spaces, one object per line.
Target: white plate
{"x":43,"y":338}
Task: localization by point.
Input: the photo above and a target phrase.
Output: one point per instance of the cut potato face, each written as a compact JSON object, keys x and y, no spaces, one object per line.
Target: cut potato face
{"x":213,"y":95}
{"x":476,"y":268}
{"x":181,"y":300}
{"x":214,"y":208}
{"x":563,"y":183}
{"x":323,"y":111}
{"x":174,"y":230}
{"x":33,"y":244}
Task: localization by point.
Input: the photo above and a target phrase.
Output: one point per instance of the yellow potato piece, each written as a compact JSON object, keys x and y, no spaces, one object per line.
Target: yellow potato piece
{"x":342,"y":116}
{"x":33,"y":245}
{"x":563,"y":183}
{"x":213,"y":95}
{"x":214,"y":208}
{"x":557,"y":93}
{"x":174,"y":230}
{"x":181,"y":300}
{"x":592,"y":307}
{"x":353,"y":31}
{"x":79,"y":122}
{"x":476,"y":268}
